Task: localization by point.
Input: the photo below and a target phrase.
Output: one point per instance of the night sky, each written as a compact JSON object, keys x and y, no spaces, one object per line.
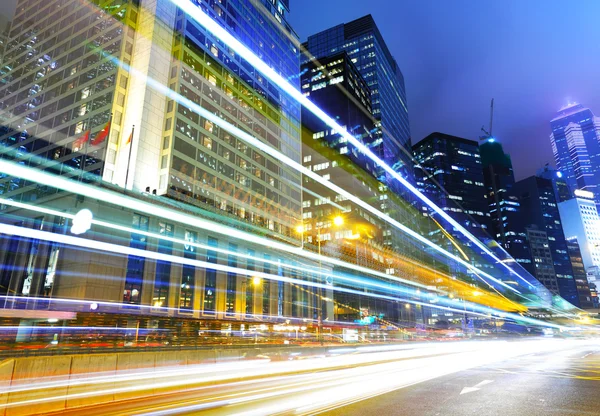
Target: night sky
{"x":531,"y":56}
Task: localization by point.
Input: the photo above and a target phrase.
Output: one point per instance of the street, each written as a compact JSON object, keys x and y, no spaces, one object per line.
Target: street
{"x":517,"y":377}
{"x":564,"y":382}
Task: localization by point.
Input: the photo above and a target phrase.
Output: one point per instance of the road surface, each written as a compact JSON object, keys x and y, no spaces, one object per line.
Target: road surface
{"x":522,"y":377}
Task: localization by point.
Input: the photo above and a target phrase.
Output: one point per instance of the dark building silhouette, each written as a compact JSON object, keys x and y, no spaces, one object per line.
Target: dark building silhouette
{"x":538,"y":207}
{"x":450,"y":173}
{"x":363,"y":42}
{"x":586,"y":300}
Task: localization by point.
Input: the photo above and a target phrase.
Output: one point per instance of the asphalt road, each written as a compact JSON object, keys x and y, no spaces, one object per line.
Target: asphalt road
{"x":521,"y":377}
{"x":564,"y":382}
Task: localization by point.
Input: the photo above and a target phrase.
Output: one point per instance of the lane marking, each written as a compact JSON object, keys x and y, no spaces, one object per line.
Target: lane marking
{"x":476,"y":387}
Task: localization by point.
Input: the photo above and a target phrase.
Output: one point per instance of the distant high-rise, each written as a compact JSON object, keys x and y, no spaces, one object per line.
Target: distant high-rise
{"x":499,"y":178}
{"x":540,"y":263}
{"x":449,"y":172}
{"x":538,"y":208}
{"x":559,"y":184}
{"x":580,"y":219}
{"x":364,"y":44}
{"x":575,"y":142}
{"x":586,"y":299}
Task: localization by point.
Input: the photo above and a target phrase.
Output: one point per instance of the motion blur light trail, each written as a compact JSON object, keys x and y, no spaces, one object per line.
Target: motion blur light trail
{"x":305,"y":171}
{"x":260,"y":387}
{"x":118,"y":249}
{"x":199,"y":16}
{"x":433,"y":292}
{"x":308,"y":269}
{"x":94,"y":192}
{"x":65,"y":184}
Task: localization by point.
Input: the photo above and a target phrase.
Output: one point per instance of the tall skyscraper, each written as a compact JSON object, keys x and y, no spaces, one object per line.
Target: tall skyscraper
{"x":540,"y":263}
{"x":86,"y":91}
{"x":85,"y":86}
{"x":450,"y":173}
{"x":365,"y":45}
{"x":538,"y":208}
{"x":499,"y":178}
{"x":575,"y":142}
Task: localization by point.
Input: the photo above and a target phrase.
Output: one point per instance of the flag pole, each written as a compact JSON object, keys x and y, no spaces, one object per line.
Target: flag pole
{"x":85,"y":150}
{"x":129,"y":157}
{"x":107,"y":145}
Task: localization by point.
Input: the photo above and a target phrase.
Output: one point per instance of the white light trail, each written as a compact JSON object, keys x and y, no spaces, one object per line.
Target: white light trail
{"x":149,"y":381}
{"x":476,"y":310}
{"x":305,"y":268}
{"x":65,"y":184}
{"x":202,"y":18}
{"x":317,"y":178}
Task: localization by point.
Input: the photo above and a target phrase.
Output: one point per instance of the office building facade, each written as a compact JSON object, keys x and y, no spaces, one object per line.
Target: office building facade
{"x":584,"y":289}
{"x":449,"y":172}
{"x":580,"y":220}
{"x":562,"y":192}
{"x":503,"y":206}
{"x":540,"y":263}
{"x":85,"y":71}
{"x":82,"y":84}
{"x":538,"y":208}
{"x":363,"y":42}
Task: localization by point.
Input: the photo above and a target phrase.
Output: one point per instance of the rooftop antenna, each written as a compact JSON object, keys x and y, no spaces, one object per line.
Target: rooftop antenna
{"x":488,"y":134}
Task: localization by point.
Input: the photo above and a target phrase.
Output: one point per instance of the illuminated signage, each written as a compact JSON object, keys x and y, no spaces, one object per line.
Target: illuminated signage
{"x":583,"y":194}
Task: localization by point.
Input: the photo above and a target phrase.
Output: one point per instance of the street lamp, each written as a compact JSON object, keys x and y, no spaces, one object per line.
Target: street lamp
{"x":337,"y":221}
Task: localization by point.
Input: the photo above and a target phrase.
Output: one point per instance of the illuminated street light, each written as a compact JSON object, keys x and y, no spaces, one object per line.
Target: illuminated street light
{"x":256,"y":281}
{"x":339,"y":220}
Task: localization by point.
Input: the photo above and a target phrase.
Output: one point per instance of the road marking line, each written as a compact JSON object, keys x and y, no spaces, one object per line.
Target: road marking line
{"x":476,"y":387}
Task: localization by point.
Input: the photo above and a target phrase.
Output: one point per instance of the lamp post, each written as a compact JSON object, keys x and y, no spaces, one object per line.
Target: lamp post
{"x":337,"y":221}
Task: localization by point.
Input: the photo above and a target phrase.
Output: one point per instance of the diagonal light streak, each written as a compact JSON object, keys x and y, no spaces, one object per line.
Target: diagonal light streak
{"x":202,"y":18}
{"x":297,"y":166}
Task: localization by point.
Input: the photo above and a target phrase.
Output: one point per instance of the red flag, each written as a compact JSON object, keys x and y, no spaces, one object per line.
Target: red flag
{"x":80,"y":141}
{"x":101,"y":136}
{"x":130,"y":137}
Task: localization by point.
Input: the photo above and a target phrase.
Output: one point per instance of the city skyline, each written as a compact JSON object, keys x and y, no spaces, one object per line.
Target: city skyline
{"x":195,"y":218}
{"x":442,"y":75}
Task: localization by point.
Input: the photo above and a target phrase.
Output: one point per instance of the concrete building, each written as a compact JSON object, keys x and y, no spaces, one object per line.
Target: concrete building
{"x":559,"y":184}
{"x":580,"y":220}
{"x":86,"y":93}
{"x":586,"y":298}
{"x":540,"y":263}
{"x":503,"y":206}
